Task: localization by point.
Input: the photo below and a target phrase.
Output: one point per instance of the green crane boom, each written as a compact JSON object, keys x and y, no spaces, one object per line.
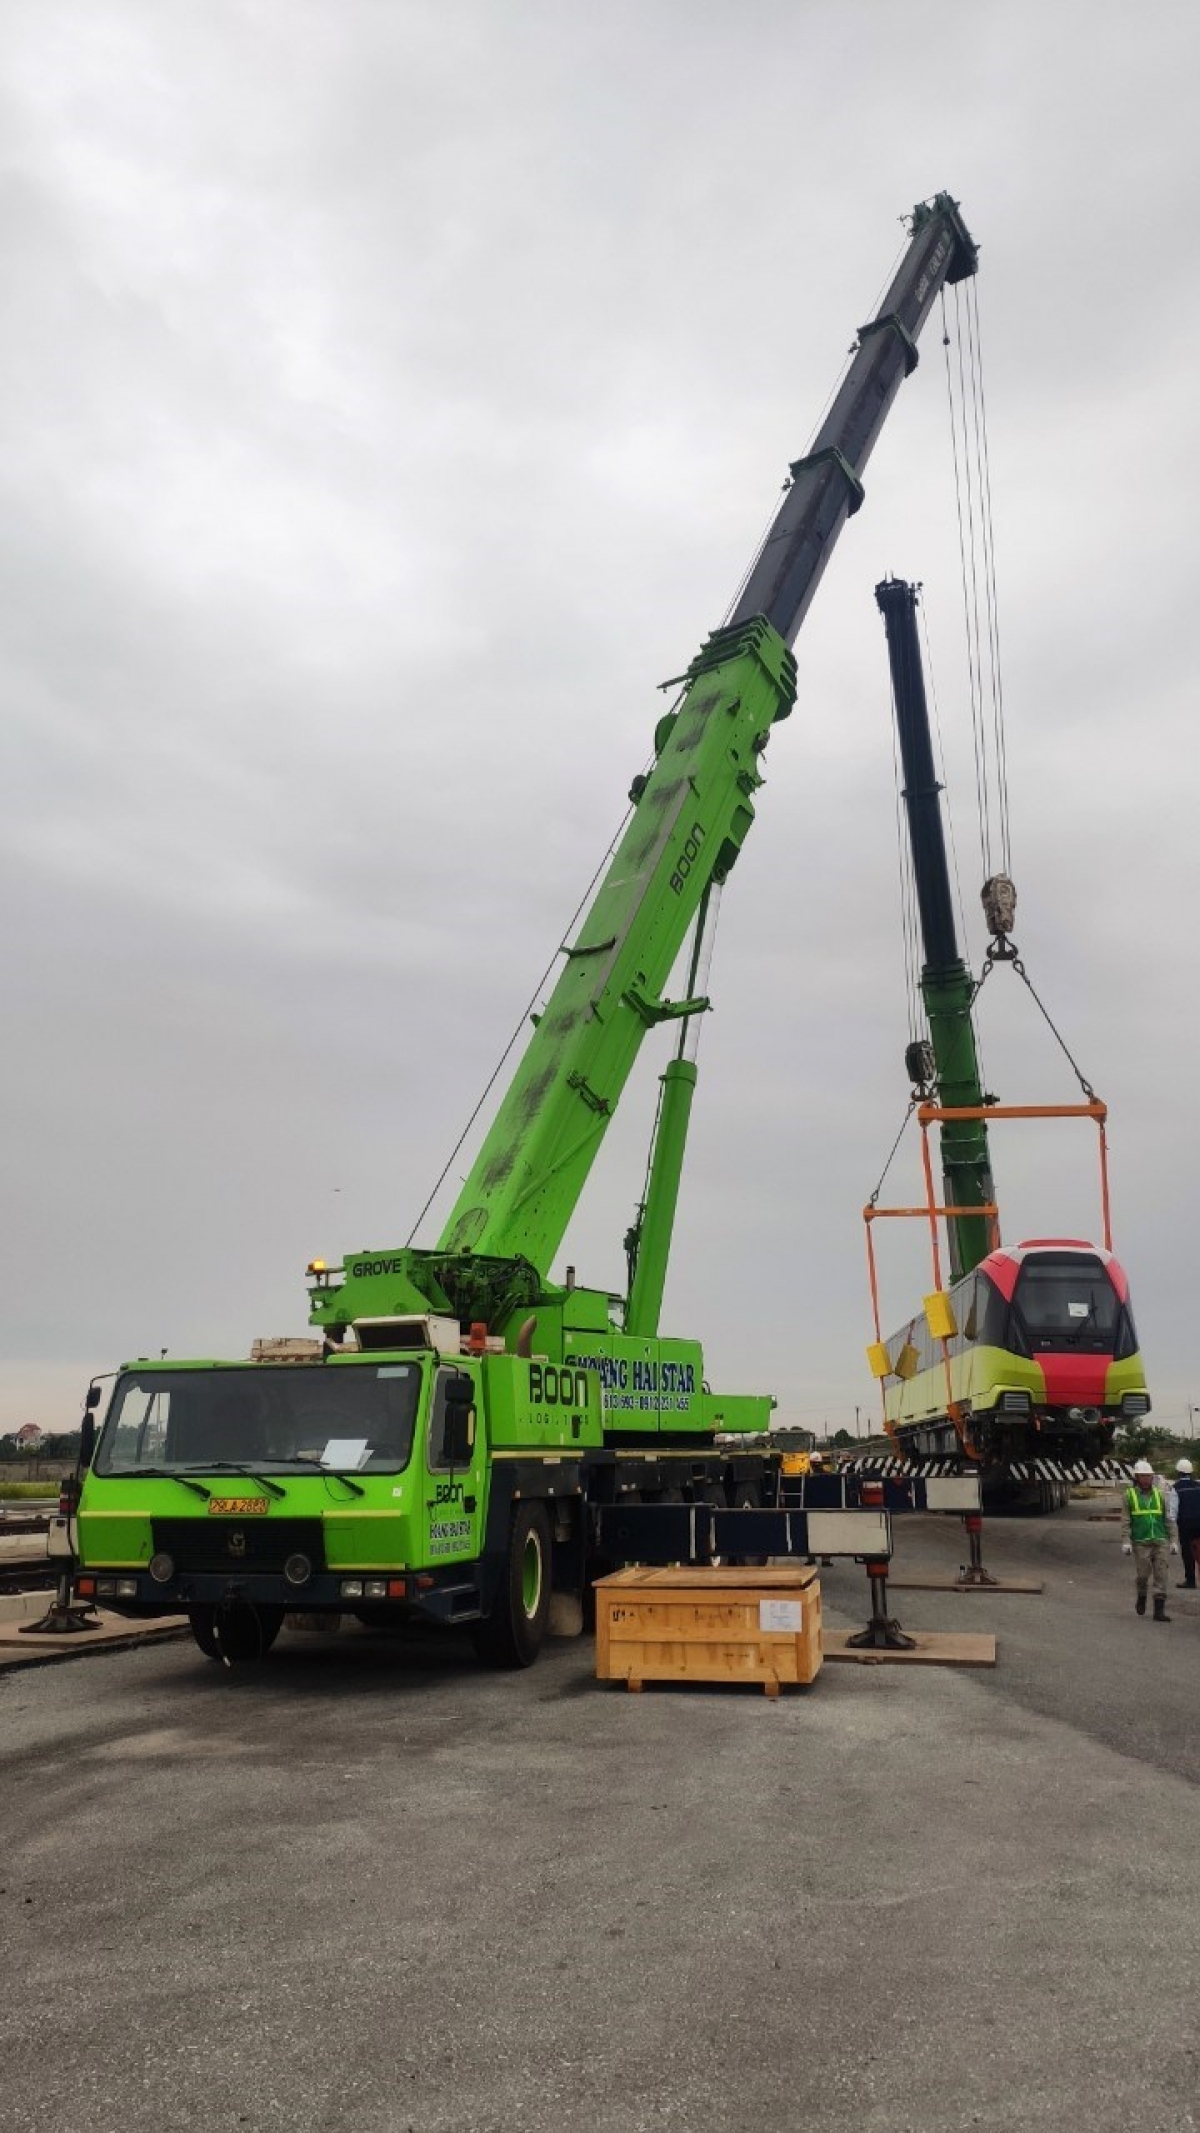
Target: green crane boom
{"x":687,"y":826}
{"x":690,"y":817}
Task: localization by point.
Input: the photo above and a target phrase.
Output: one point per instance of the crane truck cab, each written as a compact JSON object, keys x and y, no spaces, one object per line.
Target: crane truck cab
{"x":373,"y":1478}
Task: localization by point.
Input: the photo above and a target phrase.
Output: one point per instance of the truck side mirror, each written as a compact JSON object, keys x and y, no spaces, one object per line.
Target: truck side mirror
{"x":458,"y":1436}
{"x":87,"y":1427}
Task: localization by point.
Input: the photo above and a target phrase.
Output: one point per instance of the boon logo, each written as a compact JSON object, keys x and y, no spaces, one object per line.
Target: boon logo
{"x":363,"y":1267}
{"x":551,"y":1387}
{"x":688,"y":856}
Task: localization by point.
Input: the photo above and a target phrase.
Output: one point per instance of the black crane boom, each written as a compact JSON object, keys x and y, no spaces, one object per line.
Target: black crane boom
{"x":826,"y":485}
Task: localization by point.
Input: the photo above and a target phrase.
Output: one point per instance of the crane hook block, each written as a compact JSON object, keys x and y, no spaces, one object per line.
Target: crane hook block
{"x":920,"y":1064}
{"x":999,"y":898}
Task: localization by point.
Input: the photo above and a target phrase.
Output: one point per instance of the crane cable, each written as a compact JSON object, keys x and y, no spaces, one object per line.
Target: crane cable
{"x":977,"y":560}
{"x":977,"y":548}
{"x":977,"y":557}
{"x":983,"y":460}
{"x":913,"y":1101}
{"x":1008,"y":953}
{"x":524,"y":1017}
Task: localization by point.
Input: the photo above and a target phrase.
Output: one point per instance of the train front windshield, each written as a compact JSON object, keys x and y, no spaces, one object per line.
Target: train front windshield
{"x":1066,"y":1300}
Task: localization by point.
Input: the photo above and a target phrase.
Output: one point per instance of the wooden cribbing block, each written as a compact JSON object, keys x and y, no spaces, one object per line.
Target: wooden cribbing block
{"x":932,"y":1584}
{"x":932,"y":1648}
{"x":695,"y":1624}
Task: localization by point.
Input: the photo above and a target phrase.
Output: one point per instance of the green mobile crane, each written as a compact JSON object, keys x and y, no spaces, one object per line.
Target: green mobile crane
{"x":947,"y":1066}
{"x":440,"y":1447}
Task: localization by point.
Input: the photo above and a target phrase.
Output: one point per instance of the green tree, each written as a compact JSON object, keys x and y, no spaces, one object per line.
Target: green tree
{"x":1142,"y":1440}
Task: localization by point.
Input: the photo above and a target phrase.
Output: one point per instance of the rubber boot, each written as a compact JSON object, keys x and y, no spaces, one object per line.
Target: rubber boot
{"x":1160,"y":1607}
{"x":1140,"y":1603}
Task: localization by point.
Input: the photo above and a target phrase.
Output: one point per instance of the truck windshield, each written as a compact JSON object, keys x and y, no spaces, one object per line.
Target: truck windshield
{"x":1066,"y":1300}
{"x":358,"y":1418}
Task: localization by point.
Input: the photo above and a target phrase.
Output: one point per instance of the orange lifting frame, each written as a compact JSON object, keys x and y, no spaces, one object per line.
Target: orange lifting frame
{"x":936,"y":1114}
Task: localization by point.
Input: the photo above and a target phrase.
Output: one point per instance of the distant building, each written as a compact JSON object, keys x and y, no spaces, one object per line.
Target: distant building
{"x":29,"y":1438}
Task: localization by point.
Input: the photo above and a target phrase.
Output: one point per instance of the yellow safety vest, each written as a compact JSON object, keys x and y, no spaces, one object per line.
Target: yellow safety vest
{"x":1147,"y":1521}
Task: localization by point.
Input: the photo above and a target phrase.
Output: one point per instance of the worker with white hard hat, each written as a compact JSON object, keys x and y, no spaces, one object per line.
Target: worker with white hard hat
{"x":1149,"y":1533}
{"x":1185,"y":1506}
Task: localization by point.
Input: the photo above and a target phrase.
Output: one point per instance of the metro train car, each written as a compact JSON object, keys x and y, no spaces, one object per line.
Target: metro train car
{"x":1040,"y":1361}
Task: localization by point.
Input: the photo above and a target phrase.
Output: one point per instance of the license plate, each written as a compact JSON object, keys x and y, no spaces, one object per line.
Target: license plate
{"x":238,"y":1506}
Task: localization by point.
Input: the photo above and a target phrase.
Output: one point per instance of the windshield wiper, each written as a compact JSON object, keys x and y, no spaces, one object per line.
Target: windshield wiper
{"x":233,"y":1466}
{"x":318,"y":1466}
{"x":161,"y":1473}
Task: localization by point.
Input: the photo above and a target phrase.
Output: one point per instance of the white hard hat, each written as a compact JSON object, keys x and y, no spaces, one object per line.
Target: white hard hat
{"x":1183,"y":1466}
{"x":1143,"y":1466}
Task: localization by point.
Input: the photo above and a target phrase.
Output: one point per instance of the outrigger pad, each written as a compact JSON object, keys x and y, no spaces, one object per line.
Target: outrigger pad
{"x":61,"y":1622}
{"x":927,"y":1648}
{"x":961,"y":1584}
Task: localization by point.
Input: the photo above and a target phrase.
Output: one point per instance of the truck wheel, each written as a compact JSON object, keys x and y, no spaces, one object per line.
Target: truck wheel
{"x":238,"y":1634}
{"x":200,"y":1621}
{"x":512,"y":1634}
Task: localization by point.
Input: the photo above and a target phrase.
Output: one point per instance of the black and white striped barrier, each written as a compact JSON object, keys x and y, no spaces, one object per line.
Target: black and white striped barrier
{"x":1076,"y":1470}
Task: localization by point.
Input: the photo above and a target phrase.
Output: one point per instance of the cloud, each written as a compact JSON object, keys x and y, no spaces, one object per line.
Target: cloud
{"x":394,"y":396}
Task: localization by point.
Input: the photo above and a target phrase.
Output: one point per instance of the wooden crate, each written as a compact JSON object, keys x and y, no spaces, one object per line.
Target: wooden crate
{"x":695,"y":1624}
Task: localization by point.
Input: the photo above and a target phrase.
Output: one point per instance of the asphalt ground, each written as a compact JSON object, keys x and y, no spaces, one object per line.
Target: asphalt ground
{"x":369,"y":1887}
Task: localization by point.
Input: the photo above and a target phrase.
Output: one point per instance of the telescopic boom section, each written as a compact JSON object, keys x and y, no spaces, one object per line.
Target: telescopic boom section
{"x":692,"y":812}
{"x":946,"y":984}
{"x":826,"y":484}
{"x":689,"y":819}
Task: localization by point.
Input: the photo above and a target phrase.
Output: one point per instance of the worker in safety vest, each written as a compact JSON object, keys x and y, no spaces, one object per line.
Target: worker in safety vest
{"x":1148,"y":1535}
{"x":1186,"y":1507}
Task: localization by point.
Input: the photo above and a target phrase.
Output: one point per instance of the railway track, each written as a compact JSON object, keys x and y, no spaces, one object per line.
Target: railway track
{"x":40,"y":1575}
{"x":24,"y":1563}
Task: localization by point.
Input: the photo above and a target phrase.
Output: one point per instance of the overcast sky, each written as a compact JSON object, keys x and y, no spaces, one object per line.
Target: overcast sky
{"x":393,"y":394}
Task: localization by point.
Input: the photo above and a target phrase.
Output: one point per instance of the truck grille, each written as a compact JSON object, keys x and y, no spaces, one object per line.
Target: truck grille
{"x":254,"y":1544}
